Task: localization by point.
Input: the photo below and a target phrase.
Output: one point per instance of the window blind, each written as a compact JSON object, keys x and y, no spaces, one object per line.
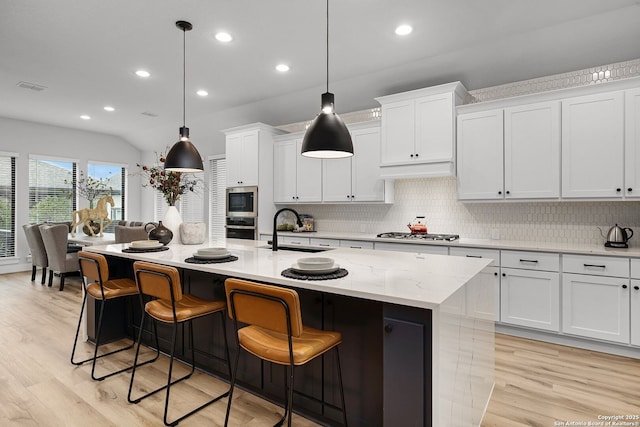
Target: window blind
{"x":7,"y":206}
{"x":52,"y":190}
{"x":217,"y":196}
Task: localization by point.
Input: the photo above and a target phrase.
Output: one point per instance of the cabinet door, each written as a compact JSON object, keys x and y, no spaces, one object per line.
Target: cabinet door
{"x":284,"y":171}
{"x":530,"y":298}
{"x":632,"y":143}
{"x":398,"y":132}
{"x":532,"y":151}
{"x":596,"y":307}
{"x":480,"y":163}
{"x":434,"y":128}
{"x":635,"y":312}
{"x":592,"y":146}
{"x":308,"y":177}
{"x":336,"y":178}
{"x":366,"y":184}
{"x":242,"y":158}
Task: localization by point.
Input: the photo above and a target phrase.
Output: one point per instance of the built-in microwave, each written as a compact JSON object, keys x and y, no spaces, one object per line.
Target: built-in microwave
{"x":242,"y":201}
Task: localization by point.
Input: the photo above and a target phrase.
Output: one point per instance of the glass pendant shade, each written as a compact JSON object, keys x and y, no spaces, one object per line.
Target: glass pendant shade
{"x":327,"y":137}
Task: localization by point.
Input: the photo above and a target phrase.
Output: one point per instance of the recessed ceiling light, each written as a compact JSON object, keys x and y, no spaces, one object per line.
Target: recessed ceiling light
{"x":403,"y":30}
{"x":109,"y":108}
{"x":223,"y":37}
{"x":283,"y":68}
{"x":143,"y":73}
{"x":85,"y":117}
{"x":202,"y":93}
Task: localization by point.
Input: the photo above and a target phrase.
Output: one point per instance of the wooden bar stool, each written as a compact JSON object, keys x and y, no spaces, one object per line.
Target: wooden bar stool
{"x":275,"y":333}
{"x":172,"y":306}
{"x":98,"y":285}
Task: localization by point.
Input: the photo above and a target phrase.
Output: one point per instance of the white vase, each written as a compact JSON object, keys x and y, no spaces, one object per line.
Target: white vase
{"x":172,"y":221}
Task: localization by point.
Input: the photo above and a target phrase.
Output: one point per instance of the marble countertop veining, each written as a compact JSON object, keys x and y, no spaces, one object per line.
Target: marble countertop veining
{"x":515,"y":245}
{"x":410,"y":279}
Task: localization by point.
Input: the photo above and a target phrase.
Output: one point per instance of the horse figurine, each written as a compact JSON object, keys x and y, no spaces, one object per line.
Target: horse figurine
{"x":86,"y":215}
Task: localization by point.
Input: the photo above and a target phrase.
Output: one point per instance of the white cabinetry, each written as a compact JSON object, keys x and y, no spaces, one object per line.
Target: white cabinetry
{"x":296,"y":179}
{"x":511,"y":153}
{"x":414,"y":248}
{"x":242,"y":150}
{"x":356,"y":178}
{"x":480,"y":160}
{"x":418,"y":131}
{"x":635,"y":302}
{"x":595,"y":292}
{"x":530,"y":290}
{"x":493,"y":272}
{"x":632,"y":144}
{"x":592,"y":146}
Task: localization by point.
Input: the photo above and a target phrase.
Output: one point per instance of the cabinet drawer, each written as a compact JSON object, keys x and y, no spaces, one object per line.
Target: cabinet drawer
{"x":635,"y":269}
{"x":294,"y":240}
{"x":330,"y":243}
{"x":415,"y":248}
{"x":493,"y":254}
{"x":596,"y":265}
{"x":356,"y":244}
{"x":530,"y":260}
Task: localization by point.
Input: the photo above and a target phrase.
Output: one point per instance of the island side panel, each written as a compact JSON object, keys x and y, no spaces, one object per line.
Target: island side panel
{"x":463,"y":353}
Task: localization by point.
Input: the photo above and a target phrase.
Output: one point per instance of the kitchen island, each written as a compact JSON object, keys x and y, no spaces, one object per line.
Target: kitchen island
{"x":418,"y":331}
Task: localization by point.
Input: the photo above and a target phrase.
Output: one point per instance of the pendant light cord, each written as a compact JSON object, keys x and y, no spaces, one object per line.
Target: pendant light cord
{"x":184,"y":77}
{"x":327,"y":45}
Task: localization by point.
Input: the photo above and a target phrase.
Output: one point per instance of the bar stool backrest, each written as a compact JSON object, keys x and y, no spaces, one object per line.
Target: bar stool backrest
{"x":264,"y":306}
{"x":159,"y":281}
{"x":93,"y":266}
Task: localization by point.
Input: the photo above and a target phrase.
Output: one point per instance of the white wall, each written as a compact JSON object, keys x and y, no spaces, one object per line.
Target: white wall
{"x":29,"y":138}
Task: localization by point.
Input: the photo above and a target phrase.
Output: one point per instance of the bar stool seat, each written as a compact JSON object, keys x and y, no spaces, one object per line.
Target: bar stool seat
{"x":274,"y":347}
{"x":113,"y":288}
{"x":189,"y":307}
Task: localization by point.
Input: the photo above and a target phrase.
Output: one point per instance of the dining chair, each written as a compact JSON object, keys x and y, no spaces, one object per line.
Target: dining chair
{"x":55,"y":238}
{"x":38,"y":252}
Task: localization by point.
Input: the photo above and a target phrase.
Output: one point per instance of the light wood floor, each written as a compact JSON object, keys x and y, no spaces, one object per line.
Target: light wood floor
{"x":536,"y":383}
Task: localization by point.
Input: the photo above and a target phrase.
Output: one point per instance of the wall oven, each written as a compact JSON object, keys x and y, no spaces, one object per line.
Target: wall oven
{"x":242,"y":202}
{"x":241,"y":228}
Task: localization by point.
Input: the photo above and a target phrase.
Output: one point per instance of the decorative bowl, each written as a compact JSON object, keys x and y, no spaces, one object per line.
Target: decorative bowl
{"x":315,"y":263}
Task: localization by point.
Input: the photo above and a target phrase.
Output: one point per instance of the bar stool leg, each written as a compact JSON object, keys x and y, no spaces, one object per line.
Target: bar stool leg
{"x":44,"y":275}
{"x":344,"y":408}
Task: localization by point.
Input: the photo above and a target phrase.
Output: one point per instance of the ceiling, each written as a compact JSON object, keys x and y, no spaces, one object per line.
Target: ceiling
{"x":86,"y":52}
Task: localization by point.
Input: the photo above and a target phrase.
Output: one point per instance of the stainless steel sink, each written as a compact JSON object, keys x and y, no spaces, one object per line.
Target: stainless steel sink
{"x":308,"y":249}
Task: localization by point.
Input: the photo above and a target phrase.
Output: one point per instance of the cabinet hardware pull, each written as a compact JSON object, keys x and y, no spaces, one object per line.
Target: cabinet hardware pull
{"x":629,"y":189}
{"x":499,"y":192}
{"x":535,"y":261}
{"x":624,"y":286}
{"x":504,"y":274}
{"x":595,"y":266}
{"x":637,"y":288}
{"x":323,"y":244}
{"x":388,"y":328}
{"x":508,"y":192}
{"x":356,"y":247}
{"x":618,"y":190}
{"x":412,"y":156}
{"x":495,"y":274}
{"x":416,"y":154}
{"x":474,"y":256}
{"x":295,"y":243}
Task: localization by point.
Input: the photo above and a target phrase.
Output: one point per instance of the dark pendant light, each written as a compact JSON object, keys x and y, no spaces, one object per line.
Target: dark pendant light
{"x":184,"y":156}
{"x":327,"y":137}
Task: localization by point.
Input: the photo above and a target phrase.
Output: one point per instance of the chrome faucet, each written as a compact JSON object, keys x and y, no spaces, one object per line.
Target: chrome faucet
{"x":274,"y":238}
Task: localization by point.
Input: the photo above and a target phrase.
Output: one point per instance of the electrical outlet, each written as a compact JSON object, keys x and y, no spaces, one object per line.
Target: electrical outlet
{"x":495,"y":234}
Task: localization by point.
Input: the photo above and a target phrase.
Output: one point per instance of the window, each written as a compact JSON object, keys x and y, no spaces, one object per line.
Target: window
{"x":7,"y":205}
{"x":190,"y":205}
{"x":217,"y":196}
{"x":52,"y":192}
{"x":110,"y":179}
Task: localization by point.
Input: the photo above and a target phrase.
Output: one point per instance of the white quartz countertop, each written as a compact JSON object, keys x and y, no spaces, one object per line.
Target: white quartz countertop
{"x":409,"y":279}
{"x":569,"y":248}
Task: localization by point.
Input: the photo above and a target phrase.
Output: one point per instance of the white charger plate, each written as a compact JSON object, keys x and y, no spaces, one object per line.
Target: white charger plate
{"x":313,"y":263}
{"x":212,"y":251}
{"x":211,"y":256}
{"x":324,"y":270}
{"x":155,"y":245}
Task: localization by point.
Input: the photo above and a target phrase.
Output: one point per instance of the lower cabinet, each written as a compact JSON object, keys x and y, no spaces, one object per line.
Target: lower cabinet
{"x":596,"y":307}
{"x":407,"y":247}
{"x":635,"y":312}
{"x":530,"y":298}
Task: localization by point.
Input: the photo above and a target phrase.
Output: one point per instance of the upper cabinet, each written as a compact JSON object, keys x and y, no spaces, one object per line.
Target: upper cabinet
{"x":632,"y":144}
{"x":249,"y":154}
{"x":357,"y":178}
{"x":593,"y":146}
{"x":418,"y":131}
{"x":510,"y":153}
{"x":296,"y":179}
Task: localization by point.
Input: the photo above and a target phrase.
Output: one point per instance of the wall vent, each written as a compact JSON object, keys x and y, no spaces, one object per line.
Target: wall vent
{"x":32,"y":86}
{"x":147,"y":113}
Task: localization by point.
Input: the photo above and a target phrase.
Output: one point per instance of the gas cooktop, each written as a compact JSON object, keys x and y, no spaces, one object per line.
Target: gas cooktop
{"x":426,"y":236}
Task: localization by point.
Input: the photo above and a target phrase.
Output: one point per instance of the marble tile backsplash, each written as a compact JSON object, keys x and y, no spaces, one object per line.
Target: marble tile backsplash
{"x":435,"y":198}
